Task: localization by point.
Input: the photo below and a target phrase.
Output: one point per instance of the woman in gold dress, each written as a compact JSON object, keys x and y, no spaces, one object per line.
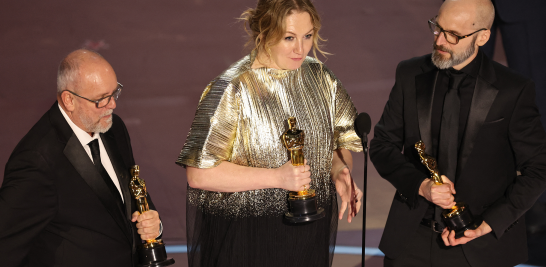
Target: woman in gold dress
{"x":239,"y":172}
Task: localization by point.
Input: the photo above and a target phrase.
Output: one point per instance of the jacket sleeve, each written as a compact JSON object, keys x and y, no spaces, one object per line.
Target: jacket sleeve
{"x":387,"y":145}
{"x":528,"y":142}
{"x":129,"y":150}
{"x":28,"y":202}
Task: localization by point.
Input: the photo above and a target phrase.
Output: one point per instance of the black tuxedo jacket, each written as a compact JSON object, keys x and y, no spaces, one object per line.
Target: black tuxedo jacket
{"x":521,"y":10}
{"x":503,"y":135}
{"x":56,"y":210}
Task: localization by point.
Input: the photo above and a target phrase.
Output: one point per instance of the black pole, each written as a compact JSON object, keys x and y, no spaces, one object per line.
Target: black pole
{"x":365,"y":195}
{"x":363,"y":125}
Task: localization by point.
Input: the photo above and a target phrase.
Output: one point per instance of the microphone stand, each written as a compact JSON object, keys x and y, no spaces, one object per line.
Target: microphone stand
{"x":364,"y":197}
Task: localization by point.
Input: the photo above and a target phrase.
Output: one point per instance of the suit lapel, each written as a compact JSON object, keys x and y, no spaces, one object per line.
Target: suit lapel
{"x":83,"y":165}
{"x":482,"y":99}
{"x":425,"y":84}
{"x":119,"y":167}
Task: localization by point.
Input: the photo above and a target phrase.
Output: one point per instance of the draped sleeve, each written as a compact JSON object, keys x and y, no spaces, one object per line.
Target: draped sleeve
{"x":212,"y":134}
{"x":345,"y":115}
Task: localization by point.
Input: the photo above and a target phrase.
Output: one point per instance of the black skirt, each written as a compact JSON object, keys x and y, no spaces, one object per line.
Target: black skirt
{"x":215,"y":241}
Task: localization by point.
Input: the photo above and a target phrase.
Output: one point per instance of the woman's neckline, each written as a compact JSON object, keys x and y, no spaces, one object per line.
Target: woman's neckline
{"x":253,"y":58}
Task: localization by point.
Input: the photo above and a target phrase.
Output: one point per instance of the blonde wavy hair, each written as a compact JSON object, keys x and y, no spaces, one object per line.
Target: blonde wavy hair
{"x":265,"y":24}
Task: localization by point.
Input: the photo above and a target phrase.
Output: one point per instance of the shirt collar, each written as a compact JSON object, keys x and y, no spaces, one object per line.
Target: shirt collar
{"x":82,"y":135}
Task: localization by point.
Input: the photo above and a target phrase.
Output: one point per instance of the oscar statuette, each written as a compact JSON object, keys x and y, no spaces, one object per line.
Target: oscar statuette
{"x":152,"y":253}
{"x":302,"y":204}
{"x":458,"y":218}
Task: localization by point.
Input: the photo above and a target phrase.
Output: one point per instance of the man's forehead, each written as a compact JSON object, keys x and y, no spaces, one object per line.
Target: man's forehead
{"x":458,"y":22}
{"x":98,"y":83}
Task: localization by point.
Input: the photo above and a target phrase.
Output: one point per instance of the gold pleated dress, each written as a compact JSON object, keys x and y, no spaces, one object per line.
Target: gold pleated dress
{"x":240,"y":119}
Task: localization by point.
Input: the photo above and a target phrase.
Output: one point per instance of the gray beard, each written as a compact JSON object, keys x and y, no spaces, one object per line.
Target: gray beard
{"x":94,"y":127}
{"x":455,"y":59}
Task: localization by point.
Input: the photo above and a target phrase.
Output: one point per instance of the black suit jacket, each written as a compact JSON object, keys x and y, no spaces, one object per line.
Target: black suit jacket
{"x":521,"y":10}
{"x":503,"y":135}
{"x":56,"y":209}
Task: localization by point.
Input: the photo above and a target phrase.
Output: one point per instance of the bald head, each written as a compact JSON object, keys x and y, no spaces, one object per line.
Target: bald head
{"x":71,"y":67}
{"x":477,"y":14}
{"x":87,"y":90}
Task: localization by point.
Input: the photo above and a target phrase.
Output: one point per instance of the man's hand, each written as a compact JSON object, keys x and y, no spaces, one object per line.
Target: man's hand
{"x":343,"y":186}
{"x":148,"y":224}
{"x":441,"y":195}
{"x":469,"y":235}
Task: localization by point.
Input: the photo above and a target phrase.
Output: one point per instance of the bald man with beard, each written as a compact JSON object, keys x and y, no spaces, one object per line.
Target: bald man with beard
{"x":65,"y":197}
{"x":480,"y":121}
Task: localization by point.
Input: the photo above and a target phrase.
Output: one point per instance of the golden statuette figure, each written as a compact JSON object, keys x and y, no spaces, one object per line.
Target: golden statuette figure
{"x":302,"y":204}
{"x":429,"y":162}
{"x":138,"y":190}
{"x":458,"y":218}
{"x":431,"y":165}
{"x":293,"y":140}
{"x":151,"y":253}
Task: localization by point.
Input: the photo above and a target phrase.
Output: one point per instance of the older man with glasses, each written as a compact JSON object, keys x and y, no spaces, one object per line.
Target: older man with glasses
{"x":480,"y":121}
{"x":65,"y":198}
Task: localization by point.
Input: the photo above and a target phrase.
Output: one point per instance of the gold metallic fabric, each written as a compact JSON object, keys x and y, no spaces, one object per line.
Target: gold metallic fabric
{"x":241,"y":117}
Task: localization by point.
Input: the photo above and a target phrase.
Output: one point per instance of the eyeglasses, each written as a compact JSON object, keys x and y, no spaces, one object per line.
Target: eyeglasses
{"x":450,"y":37}
{"x":105,"y":100}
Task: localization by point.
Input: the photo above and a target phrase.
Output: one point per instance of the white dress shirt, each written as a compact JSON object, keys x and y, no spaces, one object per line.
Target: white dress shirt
{"x":84,"y":139}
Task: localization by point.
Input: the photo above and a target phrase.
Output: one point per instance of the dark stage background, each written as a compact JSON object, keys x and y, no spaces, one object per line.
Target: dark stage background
{"x":165,"y":52}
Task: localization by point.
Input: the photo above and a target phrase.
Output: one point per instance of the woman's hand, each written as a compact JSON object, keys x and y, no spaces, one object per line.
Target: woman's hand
{"x":294,"y":178}
{"x":344,"y":186}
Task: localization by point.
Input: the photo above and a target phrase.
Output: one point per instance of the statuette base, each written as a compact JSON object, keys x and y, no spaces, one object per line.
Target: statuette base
{"x":153,"y":255}
{"x":460,"y":219}
{"x":303,"y":210}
